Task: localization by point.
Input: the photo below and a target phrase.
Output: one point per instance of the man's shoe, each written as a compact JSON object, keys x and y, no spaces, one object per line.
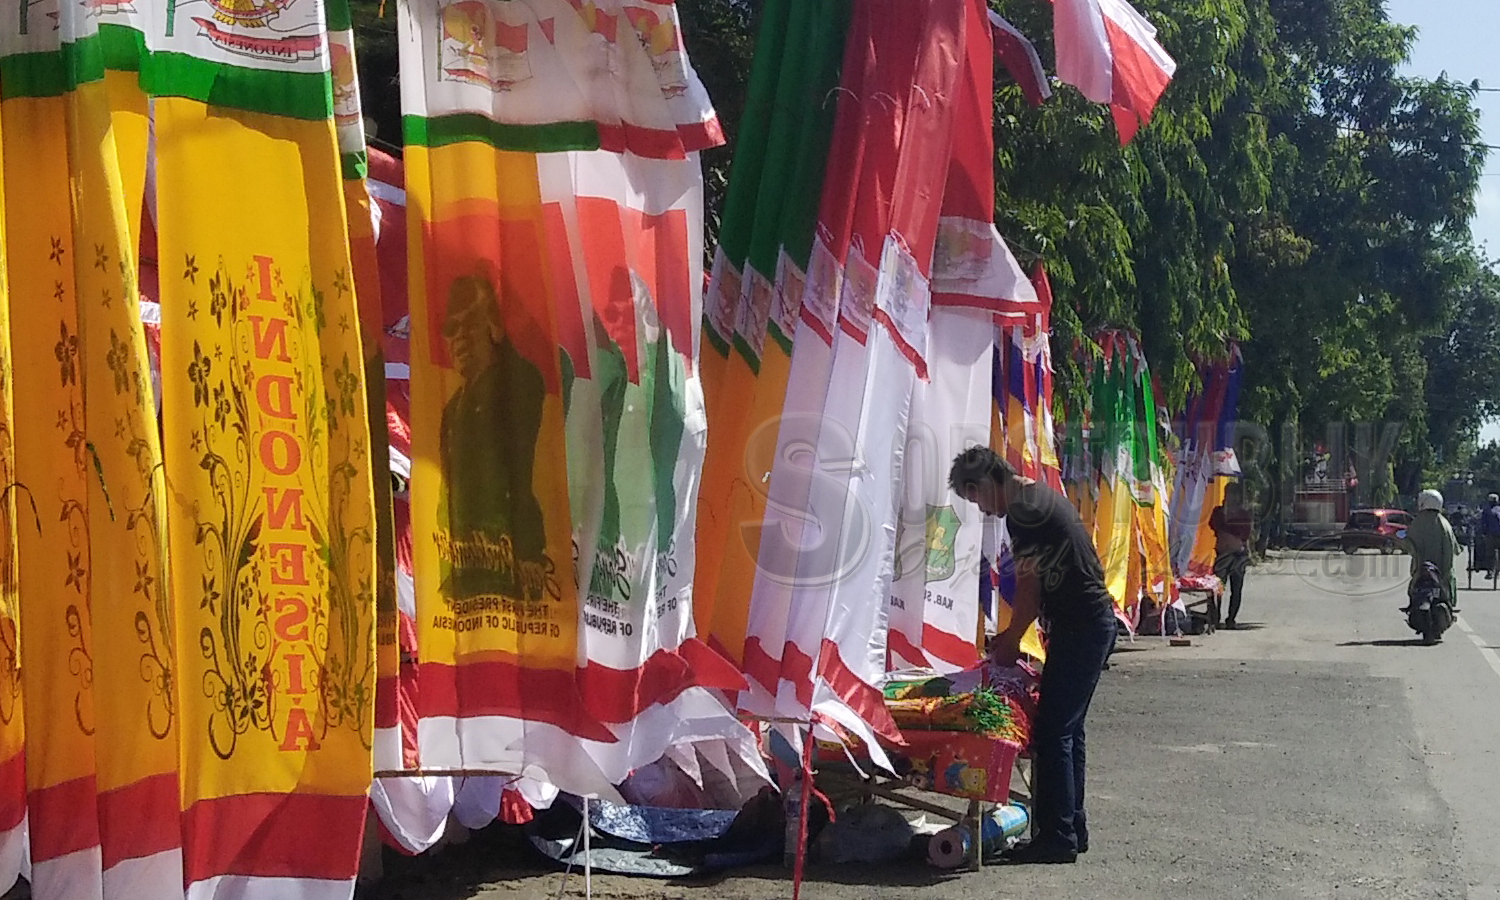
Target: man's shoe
{"x":1035,"y":853}
{"x":1229,"y":625}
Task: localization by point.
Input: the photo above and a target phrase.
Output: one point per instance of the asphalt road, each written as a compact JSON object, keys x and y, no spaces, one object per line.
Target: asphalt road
{"x":1319,"y":752}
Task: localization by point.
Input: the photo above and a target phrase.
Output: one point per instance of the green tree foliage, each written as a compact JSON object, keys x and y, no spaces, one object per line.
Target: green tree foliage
{"x":1374,"y":181}
{"x":375,"y":51}
{"x":1293,"y":192}
{"x":722,"y":41}
{"x":1463,"y":365}
{"x":1142,"y":237}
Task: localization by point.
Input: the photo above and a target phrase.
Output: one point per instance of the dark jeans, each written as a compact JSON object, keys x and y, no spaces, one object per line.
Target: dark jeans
{"x":1485,"y":558}
{"x":1230,"y":567}
{"x":1075,"y":656}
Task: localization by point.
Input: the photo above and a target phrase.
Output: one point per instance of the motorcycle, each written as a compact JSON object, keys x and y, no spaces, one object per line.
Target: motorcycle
{"x":1429,"y":611}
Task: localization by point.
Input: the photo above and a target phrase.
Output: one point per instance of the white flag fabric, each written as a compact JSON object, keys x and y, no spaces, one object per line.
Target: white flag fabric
{"x":935,"y":601}
{"x":1109,"y":51}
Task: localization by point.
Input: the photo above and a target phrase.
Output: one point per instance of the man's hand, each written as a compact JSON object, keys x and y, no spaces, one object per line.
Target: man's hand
{"x":1003,"y":653}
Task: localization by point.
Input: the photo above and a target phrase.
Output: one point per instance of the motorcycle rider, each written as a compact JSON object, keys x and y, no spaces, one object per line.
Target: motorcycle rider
{"x":1430,"y":539}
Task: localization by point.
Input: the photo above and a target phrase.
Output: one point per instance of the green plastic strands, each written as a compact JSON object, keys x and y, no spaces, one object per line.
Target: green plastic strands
{"x":990,"y":713}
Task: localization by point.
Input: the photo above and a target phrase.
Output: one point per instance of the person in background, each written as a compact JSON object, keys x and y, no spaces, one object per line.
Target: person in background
{"x":1489,"y":534}
{"x":1058,"y":579}
{"x":1231,"y":527}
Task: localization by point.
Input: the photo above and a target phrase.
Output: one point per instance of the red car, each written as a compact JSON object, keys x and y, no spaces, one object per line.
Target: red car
{"x":1377,"y":529}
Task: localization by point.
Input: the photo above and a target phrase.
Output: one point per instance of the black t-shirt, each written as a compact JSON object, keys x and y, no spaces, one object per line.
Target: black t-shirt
{"x":1045,"y":532}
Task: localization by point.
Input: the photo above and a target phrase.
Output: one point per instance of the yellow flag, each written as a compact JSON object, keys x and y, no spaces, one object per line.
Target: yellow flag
{"x":268,"y":456}
{"x":348,"y":117}
{"x":490,"y":511}
{"x":12,"y":723}
{"x":52,"y":463}
{"x":1204,"y":540}
{"x":136,"y":739}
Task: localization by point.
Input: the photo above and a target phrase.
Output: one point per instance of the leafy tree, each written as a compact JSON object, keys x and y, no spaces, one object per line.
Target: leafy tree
{"x":1463,"y":365}
{"x":1293,"y":192}
{"x":1142,"y":236}
{"x":376,"y":53}
{"x":720,"y":39}
{"x":1374,"y":184}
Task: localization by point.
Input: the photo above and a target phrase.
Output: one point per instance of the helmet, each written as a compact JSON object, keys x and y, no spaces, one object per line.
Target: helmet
{"x":1430,"y":499}
{"x":1493,"y":498}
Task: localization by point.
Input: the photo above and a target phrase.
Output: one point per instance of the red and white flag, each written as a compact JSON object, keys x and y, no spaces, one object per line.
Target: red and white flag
{"x":1019,"y":57}
{"x":1109,"y":52}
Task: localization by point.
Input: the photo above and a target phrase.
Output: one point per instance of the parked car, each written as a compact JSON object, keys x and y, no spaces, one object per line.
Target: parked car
{"x":1375,"y":529}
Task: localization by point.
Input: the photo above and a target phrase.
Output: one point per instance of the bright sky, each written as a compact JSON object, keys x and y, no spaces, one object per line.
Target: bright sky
{"x":1458,"y":37}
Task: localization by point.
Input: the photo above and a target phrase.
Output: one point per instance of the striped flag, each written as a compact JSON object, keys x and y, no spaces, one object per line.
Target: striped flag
{"x":1109,"y":51}
{"x":1016,"y":52}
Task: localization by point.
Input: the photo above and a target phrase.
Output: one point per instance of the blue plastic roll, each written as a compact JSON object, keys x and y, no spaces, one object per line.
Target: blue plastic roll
{"x":950,"y":847}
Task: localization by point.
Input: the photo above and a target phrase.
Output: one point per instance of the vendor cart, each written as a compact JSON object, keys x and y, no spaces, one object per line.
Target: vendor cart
{"x":969,"y":745}
{"x":1203,"y":596}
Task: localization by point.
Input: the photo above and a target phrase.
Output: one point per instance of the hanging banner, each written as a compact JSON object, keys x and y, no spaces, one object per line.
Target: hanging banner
{"x":721,"y":306}
{"x":121,"y":37}
{"x":756,"y":376}
{"x":50,"y":122}
{"x":765,"y":520}
{"x":47,"y":374}
{"x":136,"y":655}
{"x":935,"y":598}
{"x":13,"y":851}
{"x":489,"y":500}
{"x":1195,"y":474}
{"x":1047,"y":435}
{"x":499,"y":634}
{"x":413,"y":809}
{"x":751,"y":599}
{"x":268,"y":455}
{"x":1157,"y":580}
{"x":14,"y":858}
{"x":934,"y":606}
{"x":797,"y":554}
{"x":853,"y":655}
{"x":741,"y":292}
{"x":556,"y":75}
{"x":362,"y":215}
{"x":629,"y":227}
{"x":1114,"y":534}
{"x":878,"y":356}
